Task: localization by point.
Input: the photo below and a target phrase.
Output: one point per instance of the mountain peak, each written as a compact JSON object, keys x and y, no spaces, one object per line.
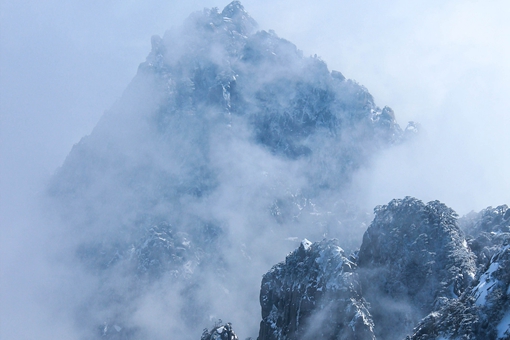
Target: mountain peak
{"x":234,"y":8}
{"x":155,"y":190}
{"x":242,"y":21}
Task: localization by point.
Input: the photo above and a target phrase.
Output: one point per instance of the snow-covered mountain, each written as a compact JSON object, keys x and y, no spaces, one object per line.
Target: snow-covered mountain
{"x":227,"y":147}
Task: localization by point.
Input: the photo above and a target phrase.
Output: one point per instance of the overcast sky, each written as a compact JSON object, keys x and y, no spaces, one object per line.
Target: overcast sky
{"x":445,"y":64}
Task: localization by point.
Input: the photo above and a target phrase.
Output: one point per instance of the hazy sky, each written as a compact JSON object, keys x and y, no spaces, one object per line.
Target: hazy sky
{"x":445,"y":64}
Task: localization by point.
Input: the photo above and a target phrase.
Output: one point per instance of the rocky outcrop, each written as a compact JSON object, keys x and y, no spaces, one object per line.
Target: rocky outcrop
{"x":483,"y":312}
{"x":315,"y":293}
{"x":489,"y":220}
{"x":413,"y":258}
{"x":219,"y":332}
{"x":487,"y":232}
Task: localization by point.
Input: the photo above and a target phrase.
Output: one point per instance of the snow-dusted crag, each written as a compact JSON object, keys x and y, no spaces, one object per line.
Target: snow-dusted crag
{"x":416,"y":273}
{"x":314,"y":294}
{"x":483,"y":310}
{"x":413,"y":257}
{"x":487,"y":231}
{"x":227,"y":146}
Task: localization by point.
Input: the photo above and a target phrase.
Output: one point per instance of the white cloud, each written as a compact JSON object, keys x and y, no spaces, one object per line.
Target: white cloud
{"x":444,"y":64}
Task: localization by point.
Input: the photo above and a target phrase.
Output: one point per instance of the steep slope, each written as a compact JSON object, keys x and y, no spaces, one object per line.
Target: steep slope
{"x":314,"y":294}
{"x":487,"y":232}
{"x":227,"y":140}
{"x":413,"y":258}
{"x":483,"y":312}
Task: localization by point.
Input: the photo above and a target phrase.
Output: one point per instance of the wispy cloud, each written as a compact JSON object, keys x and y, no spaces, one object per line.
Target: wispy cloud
{"x":62,"y":64}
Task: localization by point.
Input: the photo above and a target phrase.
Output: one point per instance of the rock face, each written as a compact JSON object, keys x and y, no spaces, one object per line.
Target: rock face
{"x":314,"y":294}
{"x":159,"y":250}
{"x":483,"y":312}
{"x":489,"y":220}
{"x":487,"y":232}
{"x":413,"y":257}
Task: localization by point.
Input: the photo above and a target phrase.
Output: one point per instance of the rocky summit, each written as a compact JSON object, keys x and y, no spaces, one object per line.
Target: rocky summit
{"x":314,"y":293}
{"x":413,"y":257}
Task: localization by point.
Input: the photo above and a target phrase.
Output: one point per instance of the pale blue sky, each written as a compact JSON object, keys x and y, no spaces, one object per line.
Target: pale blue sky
{"x":445,"y":64}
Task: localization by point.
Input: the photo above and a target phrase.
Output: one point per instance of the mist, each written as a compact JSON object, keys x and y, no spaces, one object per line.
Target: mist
{"x":64,"y":64}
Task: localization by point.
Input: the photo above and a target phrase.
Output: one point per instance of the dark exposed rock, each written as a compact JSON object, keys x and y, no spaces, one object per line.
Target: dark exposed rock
{"x":413,"y":257}
{"x":315,"y":293}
